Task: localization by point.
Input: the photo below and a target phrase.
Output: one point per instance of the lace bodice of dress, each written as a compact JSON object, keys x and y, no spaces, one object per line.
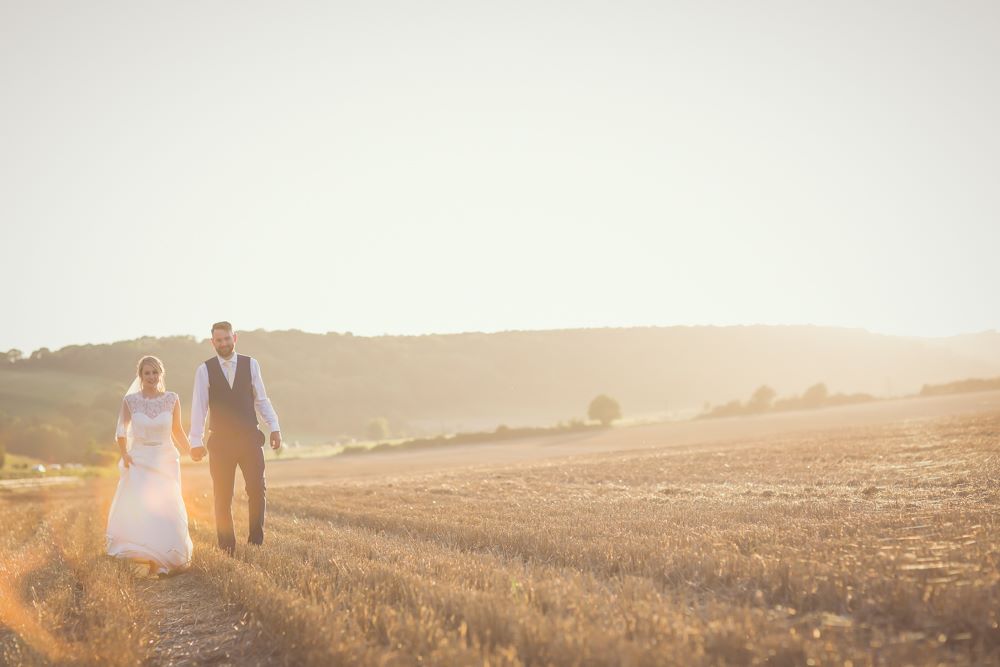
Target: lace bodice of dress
{"x":151,"y":407}
{"x":152,"y":418}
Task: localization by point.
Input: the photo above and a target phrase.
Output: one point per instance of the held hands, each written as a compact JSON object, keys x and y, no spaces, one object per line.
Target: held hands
{"x":198,"y":453}
{"x":126,"y":459}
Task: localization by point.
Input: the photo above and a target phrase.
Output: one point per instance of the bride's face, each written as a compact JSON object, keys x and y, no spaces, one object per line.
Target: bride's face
{"x":150,"y":377}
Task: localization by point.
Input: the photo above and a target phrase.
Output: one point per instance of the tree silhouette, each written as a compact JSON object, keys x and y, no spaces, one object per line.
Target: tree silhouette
{"x":378,"y":429}
{"x":604,"y":409}
{"x":815,"y":395}
{"x":762,"y":399}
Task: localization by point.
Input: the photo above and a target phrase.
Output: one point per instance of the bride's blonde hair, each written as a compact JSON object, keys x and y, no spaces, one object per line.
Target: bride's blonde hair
{"x":150,"y":360}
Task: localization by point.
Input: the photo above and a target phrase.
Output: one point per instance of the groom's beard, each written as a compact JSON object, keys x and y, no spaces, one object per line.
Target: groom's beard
{"x":225,"y":352}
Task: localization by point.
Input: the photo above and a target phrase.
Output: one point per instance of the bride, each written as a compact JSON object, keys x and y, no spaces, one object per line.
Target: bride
{"x":148,"y":522}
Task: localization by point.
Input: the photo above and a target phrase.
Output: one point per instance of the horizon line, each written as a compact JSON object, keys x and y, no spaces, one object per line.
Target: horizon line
{"x":349,"y":333}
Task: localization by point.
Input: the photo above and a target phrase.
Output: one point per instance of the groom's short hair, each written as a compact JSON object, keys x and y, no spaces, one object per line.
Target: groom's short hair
{"x":222,"y":325}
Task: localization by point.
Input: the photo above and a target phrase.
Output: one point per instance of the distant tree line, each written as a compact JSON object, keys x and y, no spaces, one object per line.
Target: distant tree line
{"x":765,"y":399}
{"x":603,"y":409}
{"x":961,"y":387}
{"x":502,"y":432}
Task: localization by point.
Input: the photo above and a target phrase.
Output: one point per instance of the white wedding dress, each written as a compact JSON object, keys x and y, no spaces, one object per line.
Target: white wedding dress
{"x":148,"y":520}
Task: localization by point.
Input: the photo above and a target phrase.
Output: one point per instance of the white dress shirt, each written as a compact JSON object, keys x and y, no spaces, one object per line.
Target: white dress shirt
{"x":199,"y":402}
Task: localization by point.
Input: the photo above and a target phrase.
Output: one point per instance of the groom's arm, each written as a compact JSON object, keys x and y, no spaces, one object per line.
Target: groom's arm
{"x":262,"y":404}
{"x":199,"y":409}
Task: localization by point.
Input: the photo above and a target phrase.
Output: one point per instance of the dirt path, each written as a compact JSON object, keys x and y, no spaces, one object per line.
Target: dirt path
{"x":195,"y":627}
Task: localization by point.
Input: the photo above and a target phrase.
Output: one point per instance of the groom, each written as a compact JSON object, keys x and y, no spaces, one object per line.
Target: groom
{"x":230,"y":389}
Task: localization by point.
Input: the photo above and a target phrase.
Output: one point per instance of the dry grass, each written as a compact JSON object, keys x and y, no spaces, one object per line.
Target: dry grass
{"x":870,"y":546}
{"x":61,"y":600}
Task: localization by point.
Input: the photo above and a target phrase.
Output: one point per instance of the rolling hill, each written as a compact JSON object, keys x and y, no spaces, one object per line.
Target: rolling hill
{"x":330,"y":385}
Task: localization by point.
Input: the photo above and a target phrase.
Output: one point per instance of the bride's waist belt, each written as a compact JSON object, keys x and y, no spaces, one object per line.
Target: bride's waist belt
{"x":149,"y":443}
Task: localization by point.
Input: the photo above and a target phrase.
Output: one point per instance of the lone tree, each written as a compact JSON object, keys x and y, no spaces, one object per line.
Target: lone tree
{"x":604,"y":409}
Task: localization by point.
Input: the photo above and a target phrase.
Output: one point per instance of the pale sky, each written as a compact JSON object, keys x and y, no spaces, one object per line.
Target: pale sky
{"x":417,"y":167}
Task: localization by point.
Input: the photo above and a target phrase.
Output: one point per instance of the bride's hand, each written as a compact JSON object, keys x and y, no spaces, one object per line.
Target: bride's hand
{"x":127,"y":459}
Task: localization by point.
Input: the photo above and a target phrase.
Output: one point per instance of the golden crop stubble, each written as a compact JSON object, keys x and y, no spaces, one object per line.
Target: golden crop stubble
{"x":62,"y":599}
{"x":789,"y":526}
{"x":871,"y":544}
{"x":421,"y":598}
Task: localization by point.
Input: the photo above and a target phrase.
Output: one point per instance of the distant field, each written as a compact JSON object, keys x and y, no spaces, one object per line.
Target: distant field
{"x":292,"y":471}
{"x":871,"y":540}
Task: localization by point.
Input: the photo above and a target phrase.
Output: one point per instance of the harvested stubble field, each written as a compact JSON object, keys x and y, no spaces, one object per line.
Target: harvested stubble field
{"x":868,"y":545}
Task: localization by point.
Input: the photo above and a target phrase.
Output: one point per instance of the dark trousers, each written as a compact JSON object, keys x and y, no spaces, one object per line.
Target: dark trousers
{"x":222,"y":462}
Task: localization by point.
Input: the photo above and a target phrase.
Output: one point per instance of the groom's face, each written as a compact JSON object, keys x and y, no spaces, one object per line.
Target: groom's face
{"x":224,"y":342}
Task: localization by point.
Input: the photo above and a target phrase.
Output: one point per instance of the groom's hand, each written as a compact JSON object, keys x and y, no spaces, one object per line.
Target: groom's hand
{"x":275,"y":439}
{"x":197,"y":453}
